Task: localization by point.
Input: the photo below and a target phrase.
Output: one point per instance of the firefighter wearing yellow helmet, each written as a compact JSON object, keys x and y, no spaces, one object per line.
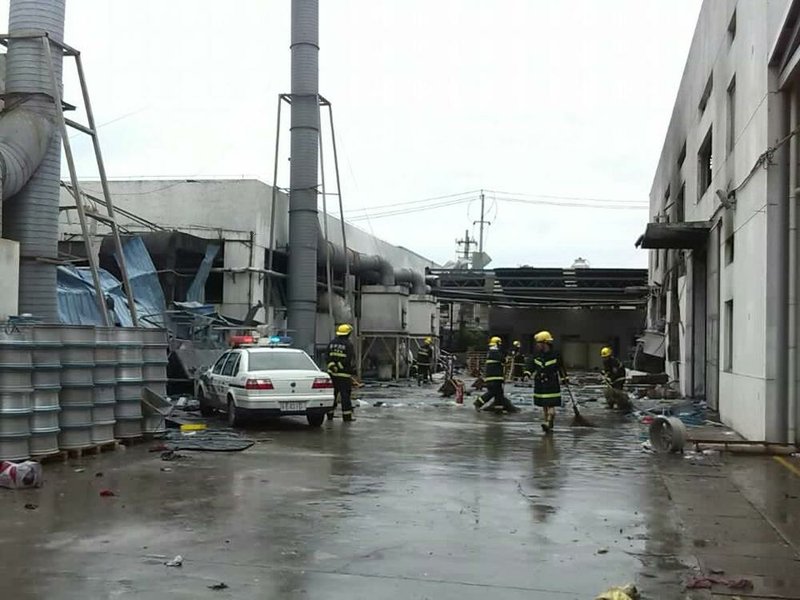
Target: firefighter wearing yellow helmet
{"x":341,"y":362}
{"x":516,"y":362}
{"x":425,"y":361}
{"x":614,"y":377}
{"x":493,"y":377}
{"x":548,"y":372}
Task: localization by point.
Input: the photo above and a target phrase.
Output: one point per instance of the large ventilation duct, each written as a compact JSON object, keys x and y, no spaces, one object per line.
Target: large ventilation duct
{"x":30,"y":216}
{"x":303,"y":221}
{"x":372,"y":267}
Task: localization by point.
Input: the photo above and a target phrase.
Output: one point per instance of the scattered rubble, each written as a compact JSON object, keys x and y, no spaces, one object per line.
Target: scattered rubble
{"x":175,"y":562}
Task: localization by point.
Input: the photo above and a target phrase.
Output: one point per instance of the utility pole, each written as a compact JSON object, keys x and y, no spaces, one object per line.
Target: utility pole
{"x":482,"y":222}
{"x":467,"y":242}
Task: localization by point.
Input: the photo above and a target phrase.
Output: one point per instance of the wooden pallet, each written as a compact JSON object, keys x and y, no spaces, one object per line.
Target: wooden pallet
{"x":64,"y":455}
{"x":134,"y":441}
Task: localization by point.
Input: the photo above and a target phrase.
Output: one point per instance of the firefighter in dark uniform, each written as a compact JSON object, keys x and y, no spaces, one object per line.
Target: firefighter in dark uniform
{"x":424,"y":361}
{"x":341,"y":363}
{"x":614,"y":376}
{"x":516,"y":361}
{"x":494,"y":398}
{"x":548,"y":373}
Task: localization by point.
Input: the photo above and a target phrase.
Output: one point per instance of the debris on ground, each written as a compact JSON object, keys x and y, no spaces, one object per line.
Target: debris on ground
{"x":602,"y":551}
{"x":207,"y":441}
{"x":166,"y":469}
{"x":31,"y":506}
{"x":709,"y":581}
{"x":27,"y":474}
{"x":219,"y":586}
{"x":175,"y":562}
{"x":79,"y":470}
{"x":171,"y":455}
{"x":106,"y":493}
{"x":627,"y":592}
{"x":98,"y":474}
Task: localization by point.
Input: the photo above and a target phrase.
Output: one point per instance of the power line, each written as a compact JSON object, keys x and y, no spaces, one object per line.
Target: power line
{"x":572,"y":198}
{"x":473,"y":194}
{"x":395,"y":210}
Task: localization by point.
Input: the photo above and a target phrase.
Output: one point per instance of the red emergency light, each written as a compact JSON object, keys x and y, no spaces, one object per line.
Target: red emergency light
{"x":241,"y":340}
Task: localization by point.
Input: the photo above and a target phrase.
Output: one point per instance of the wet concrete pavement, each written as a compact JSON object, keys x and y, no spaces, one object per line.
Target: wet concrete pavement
{"x":417,"y":501}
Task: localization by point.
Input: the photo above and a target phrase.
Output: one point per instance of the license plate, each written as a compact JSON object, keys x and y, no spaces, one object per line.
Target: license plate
{"x":287,"y":406}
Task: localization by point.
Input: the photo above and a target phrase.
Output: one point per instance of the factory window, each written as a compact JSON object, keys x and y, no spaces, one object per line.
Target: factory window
{"x":706,"y":94}
{"x":728,"y":364}
{"x":732,"y":114}
{"x":214,"y":286}
{"x":732,"y":28}
{"x":729,"y":250}
{"x":680,"y":205}
{"x":682,"y":155}
{"x":705,"y":161}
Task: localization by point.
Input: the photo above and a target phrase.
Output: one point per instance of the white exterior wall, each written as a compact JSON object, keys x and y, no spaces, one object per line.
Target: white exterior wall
{"x":230,"y":211}
{"x":748,"y":387}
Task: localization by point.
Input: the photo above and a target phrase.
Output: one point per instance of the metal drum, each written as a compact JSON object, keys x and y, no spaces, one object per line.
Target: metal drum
{"x":72,"y":438}
{"x":15,"y":421}
{"x":128,"y":428}
{"x":103,"y":432}
{"x":43,"y":420}
{"x":76,"y":396}
{"x":75,"y":416}
{"x":105,"y":356}
{"x":102,"y":413}
{"x":15,"y":447}
{"x":128,"y":409}
{"x":46,"y":389}
{"x":44,"y":442}
{"x":77,"y":356}
{"x":16,"y":387}
{"x":104,"y":394}
{"x":129,"y":347}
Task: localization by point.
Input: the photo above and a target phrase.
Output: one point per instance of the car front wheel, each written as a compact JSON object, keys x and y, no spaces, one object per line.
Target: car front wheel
{"x":316,"y":419}
{"x":234,"y":417}
{"x":205,"y":408}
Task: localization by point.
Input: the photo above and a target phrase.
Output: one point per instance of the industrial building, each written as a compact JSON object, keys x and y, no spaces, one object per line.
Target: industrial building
{"x":723,"y":219}
{"x":229,"y":220}
{"x":584,"y":308}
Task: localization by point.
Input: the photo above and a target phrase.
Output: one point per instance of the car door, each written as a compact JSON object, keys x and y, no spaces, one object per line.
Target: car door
{"x":214,"y":378}
{"x":226,"y":377}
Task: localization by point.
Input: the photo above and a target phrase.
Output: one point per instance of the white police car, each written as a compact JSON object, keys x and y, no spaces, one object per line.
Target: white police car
{"x":270,"y":380}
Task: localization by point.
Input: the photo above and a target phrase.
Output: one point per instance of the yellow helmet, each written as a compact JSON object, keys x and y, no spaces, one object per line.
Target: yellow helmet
{"x":428,"y":340}
{"x":344,"y":329}
{"x":543,"y":336}
{"x":606,"y":352}
{"x":517,"y":344}
{"x":495,"y":341}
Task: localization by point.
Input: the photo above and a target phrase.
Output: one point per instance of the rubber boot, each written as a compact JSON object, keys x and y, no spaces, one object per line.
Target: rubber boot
{"x":348,"y":418}
{"x":487,"y":405}
{"x":330,"y":416}
{"x":478,"y":403}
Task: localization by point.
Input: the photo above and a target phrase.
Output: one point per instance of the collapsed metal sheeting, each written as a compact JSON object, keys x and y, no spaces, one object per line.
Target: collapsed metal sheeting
{"x":77,"y":304}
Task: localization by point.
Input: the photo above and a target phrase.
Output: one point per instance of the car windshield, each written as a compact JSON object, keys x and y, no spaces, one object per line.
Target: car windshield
{"x":278,"y":361}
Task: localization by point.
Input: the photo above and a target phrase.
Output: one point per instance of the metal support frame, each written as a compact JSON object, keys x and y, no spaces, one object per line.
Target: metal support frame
{"x":392,"y":343}
{"x":323,"y":103}
{"x":91,"y":130}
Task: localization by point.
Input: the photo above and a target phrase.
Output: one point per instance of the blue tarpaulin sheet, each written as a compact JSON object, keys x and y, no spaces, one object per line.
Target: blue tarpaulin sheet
{"x":77,"y":304}
{"x":197,"y":291}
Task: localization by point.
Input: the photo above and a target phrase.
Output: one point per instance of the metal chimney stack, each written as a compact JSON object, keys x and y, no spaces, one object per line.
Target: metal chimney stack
{"x":303,"y":219}
{"x":31,"y":215}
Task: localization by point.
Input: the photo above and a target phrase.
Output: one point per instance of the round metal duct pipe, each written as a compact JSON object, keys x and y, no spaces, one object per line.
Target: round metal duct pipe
{"x":31,"y":215}
{"x":303,"y":220}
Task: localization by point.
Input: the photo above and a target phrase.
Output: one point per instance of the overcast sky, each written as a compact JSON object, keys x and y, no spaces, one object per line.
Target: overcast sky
{"x":567,"y":98}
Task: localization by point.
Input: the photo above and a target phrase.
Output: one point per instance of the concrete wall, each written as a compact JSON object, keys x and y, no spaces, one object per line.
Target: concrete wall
{"x":618,"y":328}
{"x":231,"y":211}
{"x":746,"y":385}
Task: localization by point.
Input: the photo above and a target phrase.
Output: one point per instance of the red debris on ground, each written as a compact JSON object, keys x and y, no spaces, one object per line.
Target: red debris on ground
{"x":706,"y":583}
{"x":107,"y":493}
